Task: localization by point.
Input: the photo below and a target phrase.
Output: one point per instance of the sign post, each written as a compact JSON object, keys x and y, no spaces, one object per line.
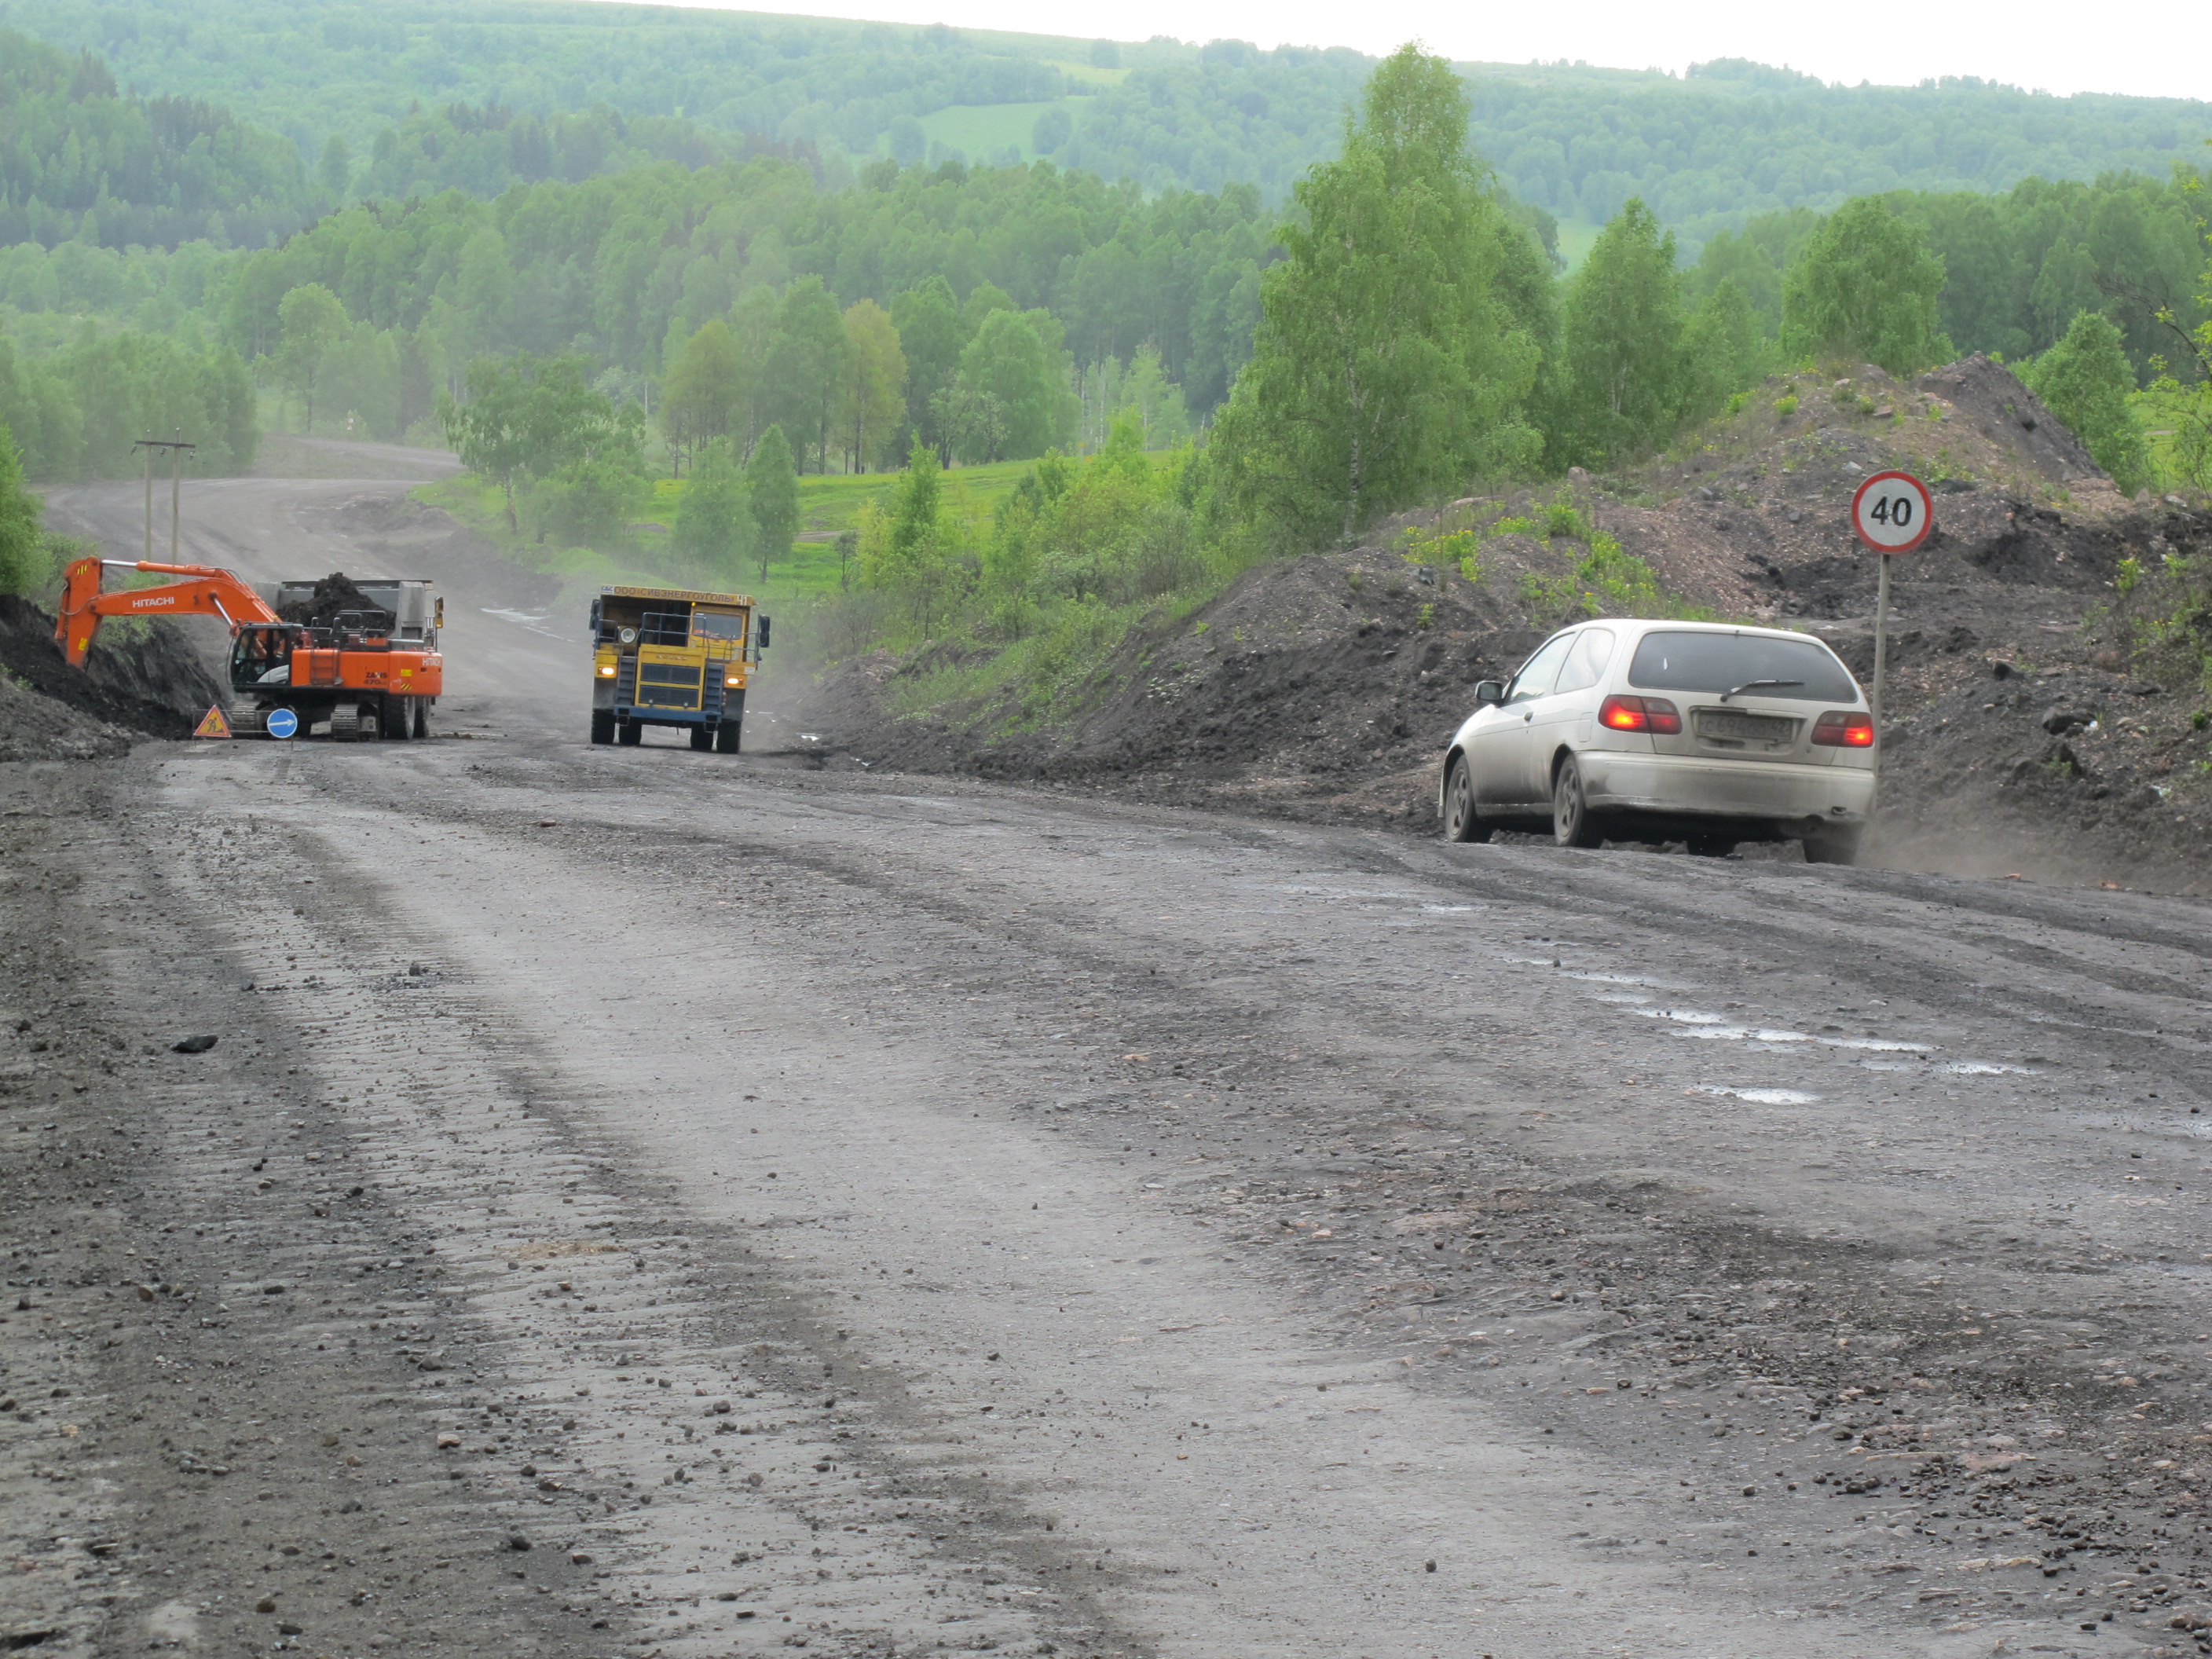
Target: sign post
{"x":1891,"y":514}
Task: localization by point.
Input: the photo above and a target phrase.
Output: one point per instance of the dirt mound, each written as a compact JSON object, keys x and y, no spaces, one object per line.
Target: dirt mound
{"x":334,"y":596}
{"x":143,"y":677}
{"x":36,"y":728}
{"x":1325,"y":687}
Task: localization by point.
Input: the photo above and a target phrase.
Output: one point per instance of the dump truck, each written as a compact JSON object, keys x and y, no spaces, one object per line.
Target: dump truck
{"x":361,"y":659}
{"x":673,"y":656}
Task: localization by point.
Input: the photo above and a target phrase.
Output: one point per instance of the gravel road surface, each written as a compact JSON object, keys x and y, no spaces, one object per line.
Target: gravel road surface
{"x":646,"y":1202}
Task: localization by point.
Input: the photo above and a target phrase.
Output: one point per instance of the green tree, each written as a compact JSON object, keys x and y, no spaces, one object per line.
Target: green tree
{"x":1865,"y":286}
{"x":1724,"y":352}
{"x":927,"y":318}
{"x":36,"y":406}
{"x":2086,"y":379}
{"x":532,"y":416}
{"x":589,"y":500}
{"x":806,"y":369}
{"x":912,"y":556}
{"x":336,"y":171}
{"x":483,"y":290}
{"x":702,"y":397}
{"x":310,"y":319}
{"x":1009,"y":363}
{"x":25,"y":565}
{"x":1621,"y":343}
{"x":714,"y":525}
{"x":1386,"y":367}
{"x":875,"y":383}
{"x":772,"y":482}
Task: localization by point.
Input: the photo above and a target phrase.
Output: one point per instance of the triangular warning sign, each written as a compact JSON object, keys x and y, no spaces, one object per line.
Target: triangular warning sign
{"x":215,"y":726}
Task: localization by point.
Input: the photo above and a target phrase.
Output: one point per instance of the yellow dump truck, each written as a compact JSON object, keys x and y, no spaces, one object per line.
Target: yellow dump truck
{"x":673,"y":656}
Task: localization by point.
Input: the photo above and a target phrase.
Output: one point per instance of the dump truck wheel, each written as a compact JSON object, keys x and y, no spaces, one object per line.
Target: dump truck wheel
{"x":725,"y":736}
{"x":701,"y":738}
{"x":630,"y":733}
{"x":422,"y":717}
{"x":603,"y":726}
{"x":394,"y":717}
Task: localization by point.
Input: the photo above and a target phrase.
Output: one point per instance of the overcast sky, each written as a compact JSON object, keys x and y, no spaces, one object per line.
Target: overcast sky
{"x":2158,"y":46}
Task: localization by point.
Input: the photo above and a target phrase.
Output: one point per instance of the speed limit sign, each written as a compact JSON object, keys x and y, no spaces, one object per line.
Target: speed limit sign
{"x":1892,"y":513}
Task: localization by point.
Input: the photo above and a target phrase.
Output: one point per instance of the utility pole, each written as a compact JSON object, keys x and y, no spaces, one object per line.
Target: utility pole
{"x":176,"y":447}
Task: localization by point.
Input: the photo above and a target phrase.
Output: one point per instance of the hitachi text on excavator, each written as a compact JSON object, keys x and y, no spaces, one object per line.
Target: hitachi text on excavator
{"x":359,"y":659}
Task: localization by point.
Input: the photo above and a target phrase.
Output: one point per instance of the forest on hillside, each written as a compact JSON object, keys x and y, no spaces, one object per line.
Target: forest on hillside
{"x":423,"y":94}
{"x":637,"y":366}
{"x":80,"y":159}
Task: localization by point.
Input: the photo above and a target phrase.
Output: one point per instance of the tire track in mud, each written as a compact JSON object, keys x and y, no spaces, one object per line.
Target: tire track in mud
{"x":1787,"y":1378}
{"x":733,"y":1479}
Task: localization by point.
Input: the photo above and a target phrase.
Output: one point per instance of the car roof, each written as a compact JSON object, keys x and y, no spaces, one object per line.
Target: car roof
{"x":1647,"y":624}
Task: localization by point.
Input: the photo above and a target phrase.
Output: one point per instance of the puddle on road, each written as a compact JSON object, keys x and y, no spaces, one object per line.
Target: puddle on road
{"x":1760,"y":1096}
{"x":524,"y":619}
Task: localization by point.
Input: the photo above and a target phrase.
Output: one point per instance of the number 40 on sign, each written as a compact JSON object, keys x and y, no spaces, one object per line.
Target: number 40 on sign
{"x":1892,"y":513}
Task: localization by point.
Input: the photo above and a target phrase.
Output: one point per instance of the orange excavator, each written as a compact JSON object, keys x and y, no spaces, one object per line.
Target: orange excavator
{"x":370,"y":669}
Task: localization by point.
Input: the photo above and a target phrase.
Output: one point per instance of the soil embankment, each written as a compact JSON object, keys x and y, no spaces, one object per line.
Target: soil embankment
{"x":145,"y":680}
{"x":1325,"y":687}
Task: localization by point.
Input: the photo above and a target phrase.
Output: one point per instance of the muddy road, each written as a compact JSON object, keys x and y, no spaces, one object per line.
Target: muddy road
{"x":641,"y":1201}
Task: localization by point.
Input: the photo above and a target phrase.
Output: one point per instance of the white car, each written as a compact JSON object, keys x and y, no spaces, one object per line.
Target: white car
{"x":1701,"y":732}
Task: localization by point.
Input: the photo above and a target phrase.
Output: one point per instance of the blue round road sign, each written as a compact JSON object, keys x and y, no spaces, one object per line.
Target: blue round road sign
{"x":283,"y":723}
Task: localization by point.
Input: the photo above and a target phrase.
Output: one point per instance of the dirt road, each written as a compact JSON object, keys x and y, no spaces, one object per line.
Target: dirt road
{"x":887,"y":1215}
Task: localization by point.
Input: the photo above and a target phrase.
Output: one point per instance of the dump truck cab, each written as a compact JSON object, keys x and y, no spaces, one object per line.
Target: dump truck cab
{"x":673,"y":656}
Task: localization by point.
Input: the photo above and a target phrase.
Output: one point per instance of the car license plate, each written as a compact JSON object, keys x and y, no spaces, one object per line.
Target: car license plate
{"x":1754,"y":728}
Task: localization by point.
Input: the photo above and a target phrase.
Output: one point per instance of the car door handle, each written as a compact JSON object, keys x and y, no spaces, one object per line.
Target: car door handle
{"x":1526,"y":717}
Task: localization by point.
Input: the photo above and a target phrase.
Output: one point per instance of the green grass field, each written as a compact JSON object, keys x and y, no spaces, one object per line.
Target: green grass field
{"x":1575,"y":240}
{"x":977,"y":129}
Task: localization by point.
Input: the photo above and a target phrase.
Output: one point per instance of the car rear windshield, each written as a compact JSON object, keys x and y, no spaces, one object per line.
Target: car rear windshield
{"x":1686,"y":661}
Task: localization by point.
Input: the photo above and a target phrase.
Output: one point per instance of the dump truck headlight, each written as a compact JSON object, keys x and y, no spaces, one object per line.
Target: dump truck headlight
{"x":606,"y":670}
{"x":732,"y":682}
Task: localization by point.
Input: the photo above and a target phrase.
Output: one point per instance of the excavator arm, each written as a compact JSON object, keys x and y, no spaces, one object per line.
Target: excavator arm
{"x":202,"y":591}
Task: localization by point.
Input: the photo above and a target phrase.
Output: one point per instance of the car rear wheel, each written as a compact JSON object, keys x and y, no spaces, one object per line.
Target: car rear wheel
{"x":1836,"y":846}
{"x":1572,"y":821}
{"x":1461,"y":821}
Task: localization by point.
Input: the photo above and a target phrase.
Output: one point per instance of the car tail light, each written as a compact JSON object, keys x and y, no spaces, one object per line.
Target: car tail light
{"x":1653,"y":714}
{"x":1842,"y":729}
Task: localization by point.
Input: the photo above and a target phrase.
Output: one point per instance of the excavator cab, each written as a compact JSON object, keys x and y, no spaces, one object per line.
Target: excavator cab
{"x":261,"y":656}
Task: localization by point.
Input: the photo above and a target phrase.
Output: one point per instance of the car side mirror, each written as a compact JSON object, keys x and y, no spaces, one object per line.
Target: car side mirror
{"x":1488,"y":694}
